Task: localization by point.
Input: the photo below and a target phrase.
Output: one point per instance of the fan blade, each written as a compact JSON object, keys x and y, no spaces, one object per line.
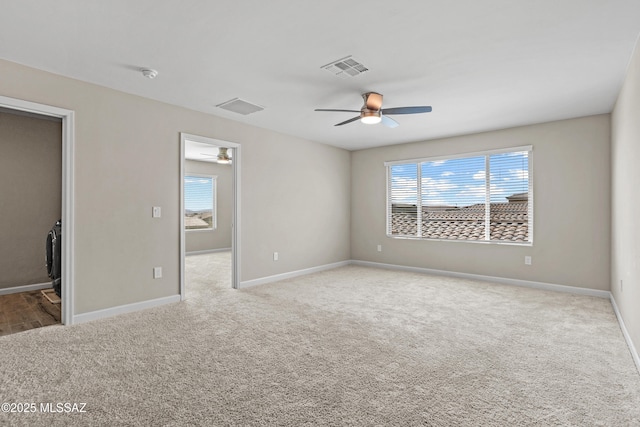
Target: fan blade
{"x":407,"y":110}
{"x":389,"y":122}
{"x":373,"y":101}
{"x":348,"y":121}
{"x":338,"y":111}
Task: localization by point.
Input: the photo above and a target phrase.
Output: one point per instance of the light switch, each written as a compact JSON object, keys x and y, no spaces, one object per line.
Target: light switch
{"x":157,"y":212}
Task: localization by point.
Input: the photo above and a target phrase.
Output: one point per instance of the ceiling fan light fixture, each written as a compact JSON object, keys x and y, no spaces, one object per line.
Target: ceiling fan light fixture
{"x":370,"y":117}
{"x":223,"y":156}
{"x":372,"y":112}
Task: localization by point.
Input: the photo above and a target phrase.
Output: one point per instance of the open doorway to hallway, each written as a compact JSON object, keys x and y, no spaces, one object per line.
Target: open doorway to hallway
{"x":209,"y":205}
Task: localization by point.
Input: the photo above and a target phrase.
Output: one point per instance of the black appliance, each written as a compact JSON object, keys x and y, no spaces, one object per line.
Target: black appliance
{"x":54,"y":256}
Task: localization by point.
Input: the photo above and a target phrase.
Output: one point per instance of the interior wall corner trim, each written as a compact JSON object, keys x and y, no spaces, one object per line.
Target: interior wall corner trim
{"x":625,"y":333}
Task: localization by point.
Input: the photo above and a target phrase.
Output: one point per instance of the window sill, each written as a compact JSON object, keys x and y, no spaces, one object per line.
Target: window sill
{"x":482,"y":242}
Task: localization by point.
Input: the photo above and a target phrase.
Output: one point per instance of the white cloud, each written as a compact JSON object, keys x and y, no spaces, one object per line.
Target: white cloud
{"x":519,"y":173}
{"x":479,"y":175}
{"x":476,"y":193}
{"x":495,"y":190}
{"x":404,"y":187}
{"x":433,"y":201}
{"x":448,"y":173}
{"x":472,"y":192}
{"x":431,"y":184}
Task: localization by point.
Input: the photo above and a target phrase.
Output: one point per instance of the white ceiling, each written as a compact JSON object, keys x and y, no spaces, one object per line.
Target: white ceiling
{"x":481,"y":65}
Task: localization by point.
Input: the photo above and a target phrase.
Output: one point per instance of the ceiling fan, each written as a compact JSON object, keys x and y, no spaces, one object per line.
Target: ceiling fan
{"x":223,"y":157}
{"x":372,"y":111}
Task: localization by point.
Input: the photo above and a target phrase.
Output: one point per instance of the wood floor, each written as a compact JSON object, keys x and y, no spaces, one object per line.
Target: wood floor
{"x":26,"y":310}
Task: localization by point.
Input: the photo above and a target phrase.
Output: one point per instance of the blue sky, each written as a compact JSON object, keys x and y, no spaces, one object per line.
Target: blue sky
{"x":198,"y":193}
{"x":462,"y":182}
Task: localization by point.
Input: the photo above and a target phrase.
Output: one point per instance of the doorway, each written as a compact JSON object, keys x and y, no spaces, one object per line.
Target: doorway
{"x":202,"y":217}
{"x":67,"y":232}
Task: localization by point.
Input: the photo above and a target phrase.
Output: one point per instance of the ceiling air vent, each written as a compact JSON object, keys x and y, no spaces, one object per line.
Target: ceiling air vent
{"x":240,"y":106}
{"x":345,"y":67}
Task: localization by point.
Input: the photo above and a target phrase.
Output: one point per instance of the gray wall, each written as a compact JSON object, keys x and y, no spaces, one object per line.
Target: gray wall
{"x":127,"y":160}
{"x":625,"y":248}
{"x":571,"y":179}
{"x":30,"y":195}
{"x":204,"y":240}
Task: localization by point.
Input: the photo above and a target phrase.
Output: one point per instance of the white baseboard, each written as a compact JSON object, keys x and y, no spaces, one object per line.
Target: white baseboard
{"x":625,"y":333}
{"x":290,"y":274}
{"x":506,"y":281}
{"x":207,"y":251}
{"x":122,"y":309}
{"x":25,"y":288}
{"x":502,"y":280}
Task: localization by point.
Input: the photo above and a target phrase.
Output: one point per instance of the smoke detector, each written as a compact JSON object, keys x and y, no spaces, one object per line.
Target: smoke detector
{"x":149,"y":73}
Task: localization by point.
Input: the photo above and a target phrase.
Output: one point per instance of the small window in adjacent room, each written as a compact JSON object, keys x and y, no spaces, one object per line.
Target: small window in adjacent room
{"x":199,"y":202}
{"x":485,"y":196}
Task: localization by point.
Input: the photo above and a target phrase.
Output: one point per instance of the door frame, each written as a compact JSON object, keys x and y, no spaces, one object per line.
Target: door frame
{"x":68,"y":225}
{"x":235,"y":216}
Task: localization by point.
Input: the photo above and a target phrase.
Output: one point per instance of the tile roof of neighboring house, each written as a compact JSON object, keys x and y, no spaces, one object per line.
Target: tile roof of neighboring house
{"x":509,"y":222}
{"x":518,"y":197}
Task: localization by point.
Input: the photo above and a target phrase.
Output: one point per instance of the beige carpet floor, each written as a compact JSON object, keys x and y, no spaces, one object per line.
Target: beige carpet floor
{"x":351,"y":346}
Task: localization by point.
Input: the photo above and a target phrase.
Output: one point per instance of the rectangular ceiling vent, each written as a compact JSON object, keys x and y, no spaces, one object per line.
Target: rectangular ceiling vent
{"x":240,"y":106}
{"x":345,"y":67}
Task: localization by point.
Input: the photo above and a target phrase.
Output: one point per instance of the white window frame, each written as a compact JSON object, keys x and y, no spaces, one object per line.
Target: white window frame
{"x":214,"y":184}
{"x":487,"y":154}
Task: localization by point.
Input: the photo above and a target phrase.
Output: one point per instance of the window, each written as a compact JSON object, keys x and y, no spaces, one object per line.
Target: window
{"x":199,"y":202}
{"x":474,"y":197}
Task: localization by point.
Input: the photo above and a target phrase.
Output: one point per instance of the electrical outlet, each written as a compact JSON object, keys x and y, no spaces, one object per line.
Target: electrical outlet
{"x":157,"y":272}
{"x":275,"y":256}
{"x":527,"y":260}
{"x":157,"y":212}
{"x":379,"y":248}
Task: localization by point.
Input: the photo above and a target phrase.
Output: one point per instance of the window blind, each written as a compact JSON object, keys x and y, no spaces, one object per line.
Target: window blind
{"x":199,"y":202}
{"x":482,"y":196}
{"x":403,"y":193}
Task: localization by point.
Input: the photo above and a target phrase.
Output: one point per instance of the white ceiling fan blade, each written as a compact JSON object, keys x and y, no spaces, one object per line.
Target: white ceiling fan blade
{"x":388,"y":121}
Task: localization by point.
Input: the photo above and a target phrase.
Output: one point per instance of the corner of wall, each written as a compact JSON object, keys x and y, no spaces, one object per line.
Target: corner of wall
{"x":625,"y":205}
